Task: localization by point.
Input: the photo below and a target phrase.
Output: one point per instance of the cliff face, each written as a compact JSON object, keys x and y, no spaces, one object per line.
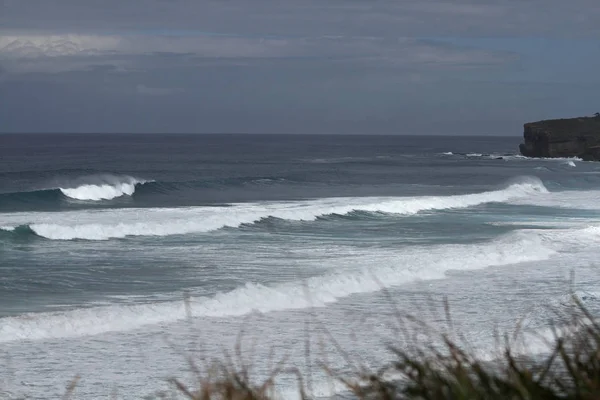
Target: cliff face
{"x":573,"y":137}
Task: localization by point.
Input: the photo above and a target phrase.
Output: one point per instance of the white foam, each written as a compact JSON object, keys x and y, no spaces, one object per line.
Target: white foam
{"x":526,"y":343}
{"x":380,"y":269}
{"x":543,"y":340}
{"x":7,"y":228}
{"x":575,"y":240}
{"x":556,"y":159}
{"x":516,"y":157}
{"x":104,"y":187}
{"x":519,"y":157}
{"x":325,"y":387}
{"x":107,"y":224}
{"x":584,"y":237}
{"x":570,"y":163}
{"x":572,"y":199}
{"x":512,"y":157}
{"x":551,"y":222}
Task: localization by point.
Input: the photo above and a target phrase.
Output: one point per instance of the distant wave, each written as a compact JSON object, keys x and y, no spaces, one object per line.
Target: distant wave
{"x":511,"y":157}
{"x":102,"y":188}
{"x":105,"y":187}
{"x":17,"y":233}
{"x":567,"y":199}
{"x":392,"y":268}
{"x":90,"y":188}
{"x":569,"y":160}
{"x":346,"y":160}
{"x":120,"y":223}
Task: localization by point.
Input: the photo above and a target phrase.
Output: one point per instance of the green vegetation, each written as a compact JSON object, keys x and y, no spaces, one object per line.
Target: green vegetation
{"x":570,"y":370}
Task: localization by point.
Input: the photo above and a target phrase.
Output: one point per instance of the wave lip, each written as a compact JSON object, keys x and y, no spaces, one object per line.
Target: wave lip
{"x":103,"y":187}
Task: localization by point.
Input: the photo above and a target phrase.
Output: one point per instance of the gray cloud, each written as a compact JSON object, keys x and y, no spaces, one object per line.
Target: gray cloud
{"x":26,"y":47}
{"x":289,"y":66}
{"x":292,"y":17}
{"x":154,"y":91}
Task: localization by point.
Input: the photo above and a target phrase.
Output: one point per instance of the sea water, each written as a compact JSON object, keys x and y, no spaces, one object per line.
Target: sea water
{"x":122,"y":257}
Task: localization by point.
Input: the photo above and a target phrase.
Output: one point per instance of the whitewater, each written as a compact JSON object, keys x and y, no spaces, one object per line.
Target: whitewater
{"x":102,"y":225}
{"x":117,"y":268}
{"x":103,"y":188}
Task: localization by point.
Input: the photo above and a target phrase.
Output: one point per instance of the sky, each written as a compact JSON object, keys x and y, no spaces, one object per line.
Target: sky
{"x":460,"y":67}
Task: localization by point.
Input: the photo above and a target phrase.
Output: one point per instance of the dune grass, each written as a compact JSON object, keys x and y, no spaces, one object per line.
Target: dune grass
{"x":427,"y":371}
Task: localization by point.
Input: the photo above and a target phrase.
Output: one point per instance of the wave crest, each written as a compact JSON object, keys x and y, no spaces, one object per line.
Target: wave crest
{"x":102,"y":187}
{"x":108,"y":224}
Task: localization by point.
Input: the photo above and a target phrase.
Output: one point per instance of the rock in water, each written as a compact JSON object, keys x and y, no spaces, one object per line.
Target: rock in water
{"x":572,"y":137}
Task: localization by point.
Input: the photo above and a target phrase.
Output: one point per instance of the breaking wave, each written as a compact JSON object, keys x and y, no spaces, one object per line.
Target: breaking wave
{"x":102,"y":188}
{"x":512,"y":157}
{"x":347,"y":160}
{"x":392,"y":268}
{"x":16,"y":232}
{"x":107,"y":188}
{"x":88,"y":189}
{"x":120,"y":223}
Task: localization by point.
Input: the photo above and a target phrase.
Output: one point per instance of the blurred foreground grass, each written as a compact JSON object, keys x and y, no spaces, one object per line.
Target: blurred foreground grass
{"x":436,"y":369}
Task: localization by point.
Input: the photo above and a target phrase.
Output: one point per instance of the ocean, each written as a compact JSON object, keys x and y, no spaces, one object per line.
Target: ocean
{"x":123,"y":256}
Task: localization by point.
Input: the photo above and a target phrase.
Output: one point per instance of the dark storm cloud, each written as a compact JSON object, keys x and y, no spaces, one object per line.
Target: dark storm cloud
{"x":294,"y":66}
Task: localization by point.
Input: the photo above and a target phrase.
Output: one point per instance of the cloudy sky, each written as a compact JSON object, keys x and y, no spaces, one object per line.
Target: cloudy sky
{"x":296,"y":66}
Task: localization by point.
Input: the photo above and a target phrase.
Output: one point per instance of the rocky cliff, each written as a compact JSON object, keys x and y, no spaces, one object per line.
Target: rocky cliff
{"x":573,"y":137}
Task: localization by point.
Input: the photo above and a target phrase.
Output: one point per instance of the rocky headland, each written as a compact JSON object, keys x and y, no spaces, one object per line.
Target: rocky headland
{"x":571,"y":137}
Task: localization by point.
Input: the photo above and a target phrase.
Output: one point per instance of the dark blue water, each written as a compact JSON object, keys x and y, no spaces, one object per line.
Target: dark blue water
{"x":187,"y":170}
{"x":101,"y":236}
